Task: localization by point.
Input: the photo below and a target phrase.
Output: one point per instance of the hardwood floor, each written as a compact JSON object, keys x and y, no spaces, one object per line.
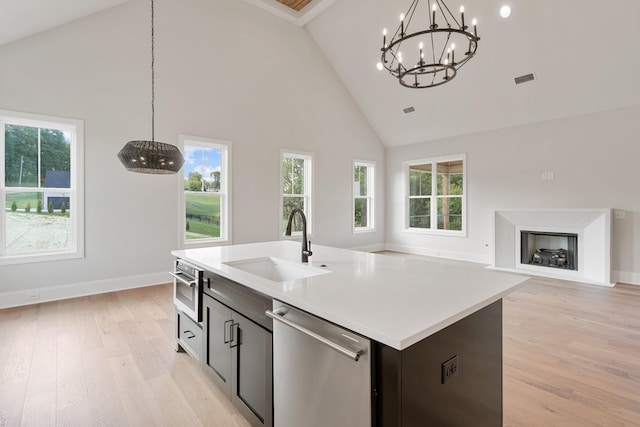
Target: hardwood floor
{"x":572,"y":355}
{"x":105,"y":360}
{"x":571,"y":358}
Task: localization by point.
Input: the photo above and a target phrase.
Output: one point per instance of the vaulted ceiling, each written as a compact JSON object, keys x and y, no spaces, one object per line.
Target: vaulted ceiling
{"x":22,"y":18}
{"x":583,"y":54}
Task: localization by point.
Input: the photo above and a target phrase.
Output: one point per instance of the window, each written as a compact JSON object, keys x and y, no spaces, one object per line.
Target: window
{"x":363,"y":181}
{"x":436,"y":201}
{"x":296,"y":175}
{"x":41,"y":188}
{"x":205,"y":189}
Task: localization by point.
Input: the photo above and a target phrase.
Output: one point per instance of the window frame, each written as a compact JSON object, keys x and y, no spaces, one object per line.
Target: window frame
{"x":308,"y":191}
{"x":434,"y":197}
{"x":76,"y":185}
{"x":225,"y":192}
{"x":370,"y":197}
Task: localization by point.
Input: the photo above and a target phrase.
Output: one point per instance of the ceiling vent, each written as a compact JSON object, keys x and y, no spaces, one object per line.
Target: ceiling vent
{"x":524,"y":79}
{"x":408,"y":110}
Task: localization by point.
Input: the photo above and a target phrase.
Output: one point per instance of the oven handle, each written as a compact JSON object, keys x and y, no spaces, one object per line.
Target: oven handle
{"x":186,"y":282}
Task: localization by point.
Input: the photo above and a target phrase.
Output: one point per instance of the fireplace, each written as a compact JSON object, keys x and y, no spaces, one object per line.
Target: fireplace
{"x":591,"y":253}
{"x":549,"y":249}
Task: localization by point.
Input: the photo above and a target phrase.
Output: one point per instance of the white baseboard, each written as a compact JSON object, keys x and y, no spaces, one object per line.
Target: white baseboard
{"x":626,"y":277}
{"x":80,"y":289}
{"x":370,"y":248}
{"x":439,"y":253}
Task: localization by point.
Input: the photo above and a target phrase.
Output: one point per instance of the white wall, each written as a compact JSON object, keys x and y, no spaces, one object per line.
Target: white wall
{"x":594,"y":159}
{"x":225,"y":70}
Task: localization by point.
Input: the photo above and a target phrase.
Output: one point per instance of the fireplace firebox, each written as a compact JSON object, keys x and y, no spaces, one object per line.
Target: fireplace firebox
{"x":548,"y":249}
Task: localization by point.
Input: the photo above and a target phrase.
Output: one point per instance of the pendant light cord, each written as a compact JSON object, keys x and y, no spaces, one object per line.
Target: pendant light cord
{"x":153,"y":89}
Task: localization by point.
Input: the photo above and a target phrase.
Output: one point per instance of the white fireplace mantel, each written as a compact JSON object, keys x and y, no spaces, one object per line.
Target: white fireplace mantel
{"x":593,"y":227}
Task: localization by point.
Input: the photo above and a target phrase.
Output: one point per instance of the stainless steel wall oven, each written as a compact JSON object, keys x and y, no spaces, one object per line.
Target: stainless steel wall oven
{"x":187,"y":289}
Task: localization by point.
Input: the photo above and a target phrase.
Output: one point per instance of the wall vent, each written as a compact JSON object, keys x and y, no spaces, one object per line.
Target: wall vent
{"x":524,"y":79}
{"x":408,"y":110}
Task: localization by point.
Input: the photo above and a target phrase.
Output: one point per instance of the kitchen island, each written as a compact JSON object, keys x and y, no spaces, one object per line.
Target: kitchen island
{"x":436,"y":329}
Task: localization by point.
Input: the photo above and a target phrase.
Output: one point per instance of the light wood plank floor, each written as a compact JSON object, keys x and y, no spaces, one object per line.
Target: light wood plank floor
{"x":103,"y":360}
{"x":571,"y":358}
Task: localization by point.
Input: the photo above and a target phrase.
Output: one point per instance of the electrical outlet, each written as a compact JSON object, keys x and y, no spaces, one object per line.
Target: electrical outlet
{"x":450,"y":369}
{"x":619,"y":214}
{"x":33,"y":296}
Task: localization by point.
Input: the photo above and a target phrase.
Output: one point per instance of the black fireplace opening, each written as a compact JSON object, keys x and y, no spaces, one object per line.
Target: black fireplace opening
{"x":546,"y":249}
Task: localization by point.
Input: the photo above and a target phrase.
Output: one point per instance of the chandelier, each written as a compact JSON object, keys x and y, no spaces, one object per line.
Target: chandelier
{"x":151,"y":157}
{"x":426,"y":56}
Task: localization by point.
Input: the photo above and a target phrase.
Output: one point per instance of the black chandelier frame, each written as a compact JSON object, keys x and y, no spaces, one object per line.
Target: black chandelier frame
{"x":442,"y":66}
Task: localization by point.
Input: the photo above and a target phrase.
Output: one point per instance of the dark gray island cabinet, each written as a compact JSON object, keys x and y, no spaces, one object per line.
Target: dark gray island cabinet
{"x":237,"y":347}
{"x":451,"y":378}
{"x":438,"y":367}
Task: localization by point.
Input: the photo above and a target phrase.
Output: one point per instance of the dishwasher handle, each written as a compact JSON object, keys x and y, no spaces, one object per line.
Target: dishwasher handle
{"x":277,"y":315}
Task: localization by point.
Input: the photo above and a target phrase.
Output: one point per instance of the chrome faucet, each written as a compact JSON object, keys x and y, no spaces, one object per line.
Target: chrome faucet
{"x":306,"y":250}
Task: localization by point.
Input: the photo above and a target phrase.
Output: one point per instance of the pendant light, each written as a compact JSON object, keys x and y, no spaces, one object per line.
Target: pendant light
{"x":151,"y":157}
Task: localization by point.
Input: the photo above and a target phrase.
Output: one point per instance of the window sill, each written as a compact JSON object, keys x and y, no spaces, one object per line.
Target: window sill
{"x":450,"y":233}
{"x":363,"y":230}
{"x":205,"y":243}
{"x":37,"y":258}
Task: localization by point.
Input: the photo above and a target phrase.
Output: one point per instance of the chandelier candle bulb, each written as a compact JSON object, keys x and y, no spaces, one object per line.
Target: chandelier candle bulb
{"x":462,"y":16}
{"x":433,"y":15}
{"x":475,"y":27}
{"x":402,"y":25}
{"x":384,"y":38}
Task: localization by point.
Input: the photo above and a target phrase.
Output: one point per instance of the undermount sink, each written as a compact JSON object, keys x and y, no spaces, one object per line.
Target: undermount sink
{"x":275,"y":269}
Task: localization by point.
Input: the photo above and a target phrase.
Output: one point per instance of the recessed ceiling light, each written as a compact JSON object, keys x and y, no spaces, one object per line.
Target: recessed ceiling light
{"x":505,"y":11}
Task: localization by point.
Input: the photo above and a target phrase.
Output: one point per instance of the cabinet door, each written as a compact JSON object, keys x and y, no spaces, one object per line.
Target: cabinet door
{"x":251,"y":390}
{"x":217,"y":323}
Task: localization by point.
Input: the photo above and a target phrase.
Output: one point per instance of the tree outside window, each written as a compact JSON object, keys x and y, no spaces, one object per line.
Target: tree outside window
{"x":436,"y":195}
{"x":296,"y":188}
{"x":420,"y":191}
{"x":363,"y":181}
{"x":206,"y":189}
{"x":41,"y":202}
{"x":450,"y":184}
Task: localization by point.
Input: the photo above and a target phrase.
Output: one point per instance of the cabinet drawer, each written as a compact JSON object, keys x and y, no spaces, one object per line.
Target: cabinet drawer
{"x":189,"y":335}
{"x":240,"y":298}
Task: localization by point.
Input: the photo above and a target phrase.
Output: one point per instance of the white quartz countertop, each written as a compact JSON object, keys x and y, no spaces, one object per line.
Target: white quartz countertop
{"x":396,"y":301}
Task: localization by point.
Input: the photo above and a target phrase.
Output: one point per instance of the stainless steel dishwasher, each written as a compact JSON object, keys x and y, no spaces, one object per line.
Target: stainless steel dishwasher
{"x":321,"y":372}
